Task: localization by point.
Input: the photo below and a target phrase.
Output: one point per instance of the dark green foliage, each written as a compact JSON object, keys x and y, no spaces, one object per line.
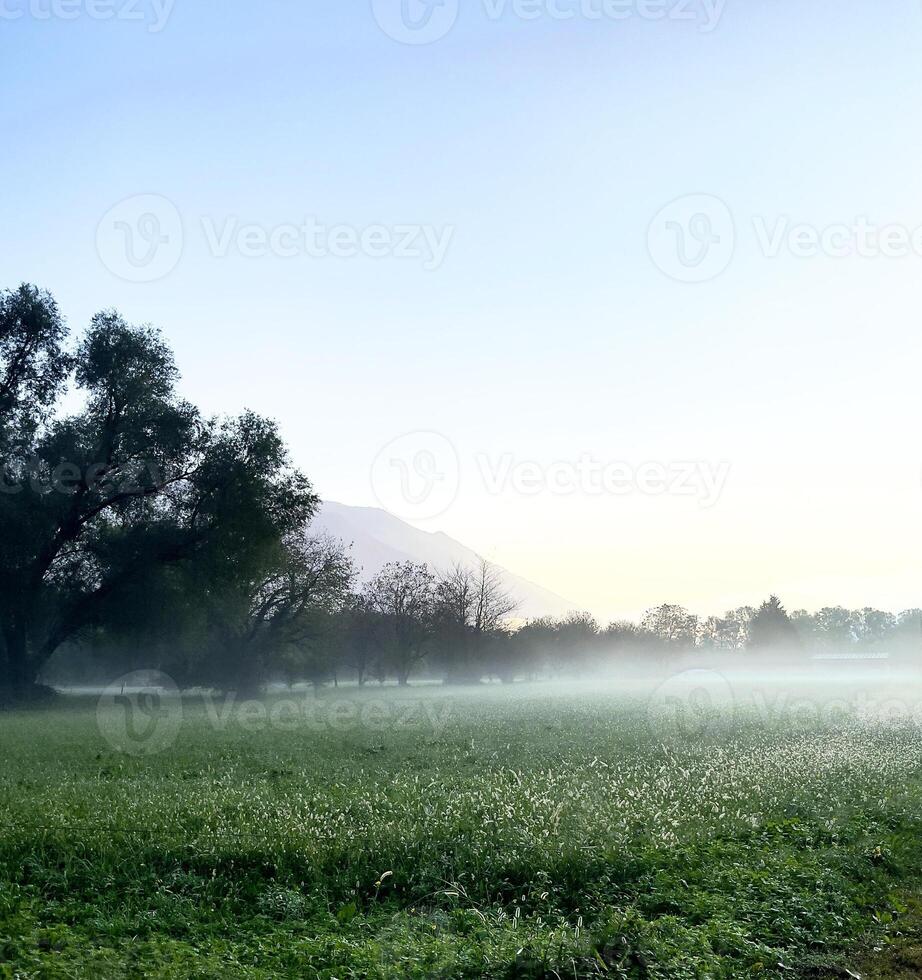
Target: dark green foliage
{"x":771,"y":627}
{"x":129,"y":500}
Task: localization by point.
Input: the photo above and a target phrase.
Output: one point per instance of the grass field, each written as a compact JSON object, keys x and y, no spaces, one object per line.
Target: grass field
{"x":423,"y":833}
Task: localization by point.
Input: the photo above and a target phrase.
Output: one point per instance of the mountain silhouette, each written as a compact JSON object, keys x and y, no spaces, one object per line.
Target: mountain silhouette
{"x":377,"y":537}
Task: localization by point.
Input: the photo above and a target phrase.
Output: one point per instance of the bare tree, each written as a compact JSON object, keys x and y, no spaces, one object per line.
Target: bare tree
{"x":472,"y":607}
{"x":475,"y":597}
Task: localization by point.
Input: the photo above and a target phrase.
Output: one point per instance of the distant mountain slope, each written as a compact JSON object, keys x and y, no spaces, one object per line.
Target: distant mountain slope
{"x":378,"y":537}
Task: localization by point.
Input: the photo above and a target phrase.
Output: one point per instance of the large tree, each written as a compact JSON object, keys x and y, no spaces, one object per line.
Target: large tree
{"x":94,"y":501}
{"x":33,"y":363}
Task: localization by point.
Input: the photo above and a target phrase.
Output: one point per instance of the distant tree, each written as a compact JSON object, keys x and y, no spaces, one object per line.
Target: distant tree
{"x":363,"y":640}
{"x":836,"y":627}
{"x":471,"y":606}
{"x":621,"y":639}
{"x":282,"y":613}
{"x":806,"y":627}
{"x":674,"y":626}
{"x":727,"y":632}
{"x":771,"y":627}
{"x":576,"y":643}
{"x":874,"y":628}
{"x":402,"y":599}
{"x":907,"y":636}
{"x":493,"y":603}
{"x":531,"y":652}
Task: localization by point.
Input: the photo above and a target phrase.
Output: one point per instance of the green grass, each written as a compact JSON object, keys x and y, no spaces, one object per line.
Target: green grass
{"x":523,"y":836}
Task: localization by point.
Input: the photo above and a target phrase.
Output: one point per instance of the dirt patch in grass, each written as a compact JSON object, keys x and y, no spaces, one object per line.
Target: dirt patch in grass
{"x":897,"y":961}
{"x":897,"y":958}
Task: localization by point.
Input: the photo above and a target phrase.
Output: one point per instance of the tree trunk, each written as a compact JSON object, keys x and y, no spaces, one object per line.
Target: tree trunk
{"x":250,"y":678}
{"x":20,"y":674}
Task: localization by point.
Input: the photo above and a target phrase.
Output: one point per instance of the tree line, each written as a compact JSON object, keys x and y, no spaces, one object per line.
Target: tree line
{"x":137,"y":532}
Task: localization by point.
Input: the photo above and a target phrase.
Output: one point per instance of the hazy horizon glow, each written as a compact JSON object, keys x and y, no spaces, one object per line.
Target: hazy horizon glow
{"x":445,"y":269}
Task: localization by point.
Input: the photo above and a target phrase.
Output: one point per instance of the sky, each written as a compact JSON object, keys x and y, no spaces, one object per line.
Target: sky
{"x":624,"y":294}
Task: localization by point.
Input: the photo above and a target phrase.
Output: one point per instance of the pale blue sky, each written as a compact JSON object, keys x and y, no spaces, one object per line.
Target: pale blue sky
{"x":547,"y":333}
